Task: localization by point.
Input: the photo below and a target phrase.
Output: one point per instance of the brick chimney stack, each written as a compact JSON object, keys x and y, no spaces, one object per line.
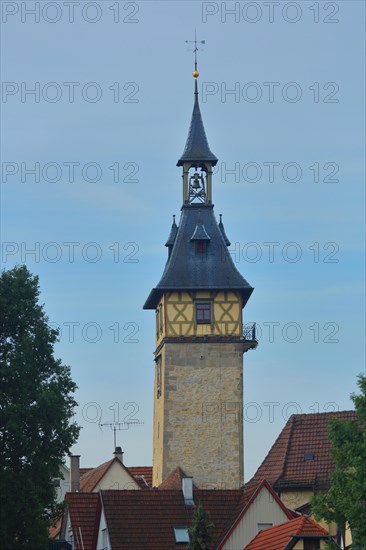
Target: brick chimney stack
{"x":75,"y":473}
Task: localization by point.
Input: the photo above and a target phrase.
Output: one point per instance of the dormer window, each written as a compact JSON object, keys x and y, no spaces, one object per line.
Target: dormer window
{"x":201,"y":247}
{"x":203,"y":313}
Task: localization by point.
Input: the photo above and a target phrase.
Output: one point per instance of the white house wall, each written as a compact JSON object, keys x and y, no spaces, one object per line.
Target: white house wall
{"x":101,"y":545}
{"x":263,"y":510}
{"x":116,"y":477}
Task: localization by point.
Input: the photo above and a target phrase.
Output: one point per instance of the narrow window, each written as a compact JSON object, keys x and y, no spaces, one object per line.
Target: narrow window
{"x":161,"y":318}
{"x":158,"y":377}
{"x":157,"y":322}
{"x":200,"y":247}
{"x":203,"y":313}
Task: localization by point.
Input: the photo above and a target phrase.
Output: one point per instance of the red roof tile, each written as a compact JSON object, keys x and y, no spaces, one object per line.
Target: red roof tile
{"x":93,"y":476}
{"x":174,"y":480}
{"x":90,"y":477}
{"x":55,"y":530}
{"x":285,"y":465}
{"x":144,"y":520}
{"x":142,"y":474}
{"x":84,"y":510}
{"x":277,"y":537}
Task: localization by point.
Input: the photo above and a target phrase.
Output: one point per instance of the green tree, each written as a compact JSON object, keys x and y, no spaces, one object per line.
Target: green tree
{"x":36,"y":410}
{"x":345,"y":501}
{"x":200,"y":532}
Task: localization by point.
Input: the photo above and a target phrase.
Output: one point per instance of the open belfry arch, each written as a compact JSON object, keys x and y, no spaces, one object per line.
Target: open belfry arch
{"x":199,"y":301}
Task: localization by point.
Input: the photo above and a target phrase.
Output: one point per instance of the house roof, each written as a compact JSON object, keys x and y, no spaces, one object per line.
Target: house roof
{"x":84,"y":511}
{"x":249,"y":495}
{"x":145,"y":519}
{"x":92,"y":476}
{"x":277,"y":537}
{"x":300,"y":456}
{"x":142,"y":474}
{"x":174,"y":480}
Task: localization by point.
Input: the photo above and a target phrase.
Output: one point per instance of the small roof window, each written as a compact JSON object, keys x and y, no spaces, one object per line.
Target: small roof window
{"x":181,"y":534}
{"x":309,"y":456}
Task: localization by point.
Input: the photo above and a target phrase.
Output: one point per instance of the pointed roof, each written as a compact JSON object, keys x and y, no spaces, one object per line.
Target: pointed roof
{"x":300,"y":456}
{"x":222,"y":229}
{"x":84,"y":511}
{"x":172,"y":234}
{"x":197,"y":148}
{"x":187,"y":270}
{"x":278,"y":537}
{"x":92,"y":476}
{"x":174,"y":480}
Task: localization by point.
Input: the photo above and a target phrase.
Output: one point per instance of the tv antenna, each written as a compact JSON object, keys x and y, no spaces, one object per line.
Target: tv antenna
{"x":120,"y":426}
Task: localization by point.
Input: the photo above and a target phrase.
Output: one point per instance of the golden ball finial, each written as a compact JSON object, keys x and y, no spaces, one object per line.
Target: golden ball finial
{"x":195,"y":74}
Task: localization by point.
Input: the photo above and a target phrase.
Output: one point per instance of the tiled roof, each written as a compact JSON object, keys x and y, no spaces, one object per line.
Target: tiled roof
{"x":84,"y":510}
{"x":141,"y":473}
{"x":90,"y":477}
{"x":93,"y":476}
{"x":144,"y":520}
{"x":55,"y":530}
{"x":277,"y":537}
{"x":174,"y":480}
{"x":85,"y":470}
{"x":285,"y":465}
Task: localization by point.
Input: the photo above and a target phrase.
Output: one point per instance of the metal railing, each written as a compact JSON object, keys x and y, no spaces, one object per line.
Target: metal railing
{"x":249,"y":332}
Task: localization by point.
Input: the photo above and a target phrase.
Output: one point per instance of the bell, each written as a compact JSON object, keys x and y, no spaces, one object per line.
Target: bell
{"x":196,"y":184}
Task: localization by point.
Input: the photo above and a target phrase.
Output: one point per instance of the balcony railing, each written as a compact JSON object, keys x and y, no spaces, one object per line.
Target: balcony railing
{"x":249,"y":332}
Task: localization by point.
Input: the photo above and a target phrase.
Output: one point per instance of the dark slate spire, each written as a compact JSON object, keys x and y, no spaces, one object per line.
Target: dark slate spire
{"x":187,"y":270}
{"x":197,"y":148}
{"x":222,"y":229}
{"x":200,"y":233}
{"x":172,"y":234}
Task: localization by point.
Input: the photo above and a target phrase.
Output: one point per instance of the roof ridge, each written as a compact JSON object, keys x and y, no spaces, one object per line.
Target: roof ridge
{"x":325,"y":413}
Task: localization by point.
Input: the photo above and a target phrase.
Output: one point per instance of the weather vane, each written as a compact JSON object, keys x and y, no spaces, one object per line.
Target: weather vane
{"x":195,"y":49}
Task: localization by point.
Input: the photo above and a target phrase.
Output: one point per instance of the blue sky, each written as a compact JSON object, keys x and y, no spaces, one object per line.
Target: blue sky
{"x":292,"y":134}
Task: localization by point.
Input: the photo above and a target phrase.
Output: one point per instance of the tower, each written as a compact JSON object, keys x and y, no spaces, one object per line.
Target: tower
{"x":198,"y":303}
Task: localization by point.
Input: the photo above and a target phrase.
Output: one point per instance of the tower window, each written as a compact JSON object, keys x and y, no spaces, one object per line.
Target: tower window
{"x":201,"y":247}
{"x":203,"y":313}
{"x":158,"y":377}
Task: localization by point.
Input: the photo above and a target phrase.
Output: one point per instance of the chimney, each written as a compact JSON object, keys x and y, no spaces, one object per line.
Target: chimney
{"x":187,"y":488}
{"x":75,"y":473}
{"x":118,"y":453}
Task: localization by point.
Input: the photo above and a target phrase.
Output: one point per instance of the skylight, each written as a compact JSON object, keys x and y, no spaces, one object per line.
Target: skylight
{"x":309,"y":456}
{"x":181,"y":534}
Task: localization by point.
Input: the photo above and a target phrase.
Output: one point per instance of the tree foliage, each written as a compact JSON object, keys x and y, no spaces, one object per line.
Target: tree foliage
{"x":346,"y":499}
{"x":36,"y":406}
{"x":201,"y":530}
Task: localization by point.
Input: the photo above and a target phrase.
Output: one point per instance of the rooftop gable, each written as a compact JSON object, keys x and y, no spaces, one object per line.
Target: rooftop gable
{"x":300,"y":456}
{"x":277,"y":537}
{"x":83,"y":512}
